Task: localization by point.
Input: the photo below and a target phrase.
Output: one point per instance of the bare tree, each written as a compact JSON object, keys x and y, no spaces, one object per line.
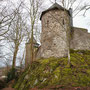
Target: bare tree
{"x":13,"y":26}
{"x":34,"y":12}
{"x":16,"y":35}
{"x":6,"y":17}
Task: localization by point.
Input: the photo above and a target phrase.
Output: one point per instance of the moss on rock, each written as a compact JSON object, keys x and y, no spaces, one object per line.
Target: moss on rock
{"x":54,"y":71}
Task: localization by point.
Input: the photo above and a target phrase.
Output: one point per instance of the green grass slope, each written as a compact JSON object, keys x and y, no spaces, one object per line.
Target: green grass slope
{"x":55,"y":71}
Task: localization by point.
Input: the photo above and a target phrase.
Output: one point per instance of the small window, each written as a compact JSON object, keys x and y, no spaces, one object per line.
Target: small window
{"x":47,"y":23}
{"x":63,"y":22}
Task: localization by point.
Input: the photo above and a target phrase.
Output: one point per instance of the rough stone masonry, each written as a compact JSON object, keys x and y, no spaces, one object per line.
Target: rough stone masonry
{"x":55,"y":26}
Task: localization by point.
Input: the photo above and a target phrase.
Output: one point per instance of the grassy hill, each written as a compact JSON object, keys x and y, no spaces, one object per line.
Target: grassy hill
{"x":55,"y":71}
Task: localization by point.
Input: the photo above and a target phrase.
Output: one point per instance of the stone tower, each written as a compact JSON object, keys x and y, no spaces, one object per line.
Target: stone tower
{"x":28,"y":51}
{"x":55,"y":30}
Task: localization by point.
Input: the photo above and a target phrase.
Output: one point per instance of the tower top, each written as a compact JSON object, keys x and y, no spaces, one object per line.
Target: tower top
{"x":55,"y":1}
{"x":54,"y":6}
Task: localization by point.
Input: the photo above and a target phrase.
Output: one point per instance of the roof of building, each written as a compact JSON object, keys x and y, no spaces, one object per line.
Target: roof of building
{"x":34,"y":40}
{"x":54,"y":6}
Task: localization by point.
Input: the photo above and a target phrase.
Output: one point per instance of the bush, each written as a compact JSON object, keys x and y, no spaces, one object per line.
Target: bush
{"x":12,"y":74}
{"x":2,"y":84}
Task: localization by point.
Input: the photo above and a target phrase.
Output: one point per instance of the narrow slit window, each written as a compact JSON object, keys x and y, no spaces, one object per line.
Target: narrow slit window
{"x":47,"y":23}
{"x":63,"y":22}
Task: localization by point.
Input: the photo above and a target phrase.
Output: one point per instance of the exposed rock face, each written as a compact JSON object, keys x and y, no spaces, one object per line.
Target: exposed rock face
{"x":54,"y":43}
{"x":80,"y":39}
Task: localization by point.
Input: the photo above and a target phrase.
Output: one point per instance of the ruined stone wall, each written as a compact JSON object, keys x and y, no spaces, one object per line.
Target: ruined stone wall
{"x":55,"y":24}
{"x":80,"y":39}
{"x":28,"y":56}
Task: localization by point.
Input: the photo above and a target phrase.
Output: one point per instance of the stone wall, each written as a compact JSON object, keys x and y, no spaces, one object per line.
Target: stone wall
{"x":80,"y":39}
{"x":55,"y":24}
{"x":28,"y":54}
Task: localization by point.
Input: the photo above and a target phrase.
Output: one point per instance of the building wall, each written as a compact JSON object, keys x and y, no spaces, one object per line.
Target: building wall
{"x":80,"y":39}
{"x":28,"y":54}
{"x":54,"y":43}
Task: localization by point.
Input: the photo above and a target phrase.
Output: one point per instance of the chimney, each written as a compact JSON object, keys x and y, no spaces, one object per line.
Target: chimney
{"x":71,"y":16}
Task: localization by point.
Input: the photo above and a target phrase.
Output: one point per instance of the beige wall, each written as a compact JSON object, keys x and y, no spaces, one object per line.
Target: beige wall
{"x":28,"y":57}
{"x":80,"y":39}
{"x":28,"y":54}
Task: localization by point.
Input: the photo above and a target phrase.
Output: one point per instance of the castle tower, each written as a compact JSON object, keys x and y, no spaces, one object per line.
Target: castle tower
{"x":55,"y":30}
{"x":28,"y":51}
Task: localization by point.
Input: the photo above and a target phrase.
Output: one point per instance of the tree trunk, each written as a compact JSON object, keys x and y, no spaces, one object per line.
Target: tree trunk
{"x":32,"y":49}
{"x":14,"y":57}
{"x":68,"y":56}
